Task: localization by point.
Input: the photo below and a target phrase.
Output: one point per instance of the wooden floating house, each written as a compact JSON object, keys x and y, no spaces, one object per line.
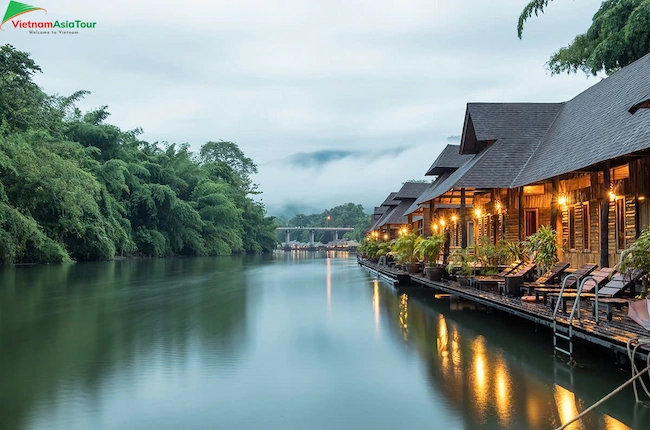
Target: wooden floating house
{"x":580,"y":166}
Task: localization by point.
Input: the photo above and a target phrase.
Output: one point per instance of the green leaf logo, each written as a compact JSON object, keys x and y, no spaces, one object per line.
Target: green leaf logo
{"x":15,"y":9}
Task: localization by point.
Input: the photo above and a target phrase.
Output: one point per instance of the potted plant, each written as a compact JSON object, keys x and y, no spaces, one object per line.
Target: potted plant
{"x":637,"y":256}
{"x":490,"y":255}
{"x":458,"y":262}
{"x":543,"y":245}
{"x":383,"y":250}
{"x":403,"y":250}
{"x":371,"y":247}
{"x":429,"y":249}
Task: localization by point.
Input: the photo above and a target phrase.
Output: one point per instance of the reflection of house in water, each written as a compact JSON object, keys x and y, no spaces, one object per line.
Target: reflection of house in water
{"x":492,"y":378}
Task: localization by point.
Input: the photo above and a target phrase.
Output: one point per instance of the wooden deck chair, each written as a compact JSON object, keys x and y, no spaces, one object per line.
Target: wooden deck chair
{"x":511,"y":284}
{"x":478,"y":280}
{"x":601,"y":276}
{"x":550,"y":276}
{"x":619,"y":283}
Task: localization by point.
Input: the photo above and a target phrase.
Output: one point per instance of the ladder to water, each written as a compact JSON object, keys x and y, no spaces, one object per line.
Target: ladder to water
{"x":566,"y":333}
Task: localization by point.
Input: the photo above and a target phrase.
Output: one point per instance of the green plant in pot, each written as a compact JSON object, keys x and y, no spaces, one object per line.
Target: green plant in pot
{"x":637,"y":257}
{"x":383,"y":249}
{"x":429,"y":248}
{"x":371,"y":247}
{"x":458,"y":263}
{"x":543,"y":245}
{"x":403,"y":250}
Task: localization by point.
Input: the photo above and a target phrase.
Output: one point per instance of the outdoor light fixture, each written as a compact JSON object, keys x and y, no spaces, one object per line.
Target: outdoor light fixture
{"x":477,"y":212}
{"x":562,"y":200}
{"x":442,"y":223}
{"x":641,"y":198}
{"x":454,"y":218}
{"x":612,"y":196}
{"x":385,"y":237}
{"x":435,"y":227}
{"x":498,"y":206}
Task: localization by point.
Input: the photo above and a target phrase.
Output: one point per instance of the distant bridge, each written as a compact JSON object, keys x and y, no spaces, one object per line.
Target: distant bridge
{"x":312,"y":231}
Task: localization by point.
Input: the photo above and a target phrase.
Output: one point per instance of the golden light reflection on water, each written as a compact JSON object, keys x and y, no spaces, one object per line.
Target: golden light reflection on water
{"x":404,"y":315}
{"x":480,"y":375}
{"x":329,"y":284}
{"x":443,"y":342}
{"x":614,"y":424}
{"x":565,"y":401}
{"x":503,"y":389}
{"x":375,"y":303}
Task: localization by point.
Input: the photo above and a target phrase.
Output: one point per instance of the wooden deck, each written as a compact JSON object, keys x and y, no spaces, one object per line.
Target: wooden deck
{"x":609,"y":334}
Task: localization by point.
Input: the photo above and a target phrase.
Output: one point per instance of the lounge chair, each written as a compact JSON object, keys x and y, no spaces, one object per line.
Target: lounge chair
{"x":601,"y":276}
{"x":478,"y":281}
{"x":511,"y":283}
{"x":581,"y":273}
{"x":547,"y":278}
{"x":610,"y":293}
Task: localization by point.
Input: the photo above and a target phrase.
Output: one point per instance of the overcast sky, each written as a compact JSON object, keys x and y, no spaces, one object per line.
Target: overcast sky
{"x":336,"y":101}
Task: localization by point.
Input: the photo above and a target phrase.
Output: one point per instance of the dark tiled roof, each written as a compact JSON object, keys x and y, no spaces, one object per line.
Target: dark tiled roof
{"x":498,"y":165}
{"x":390,"y":200}
{"x":431,"y":188}
{"x":493,"y":121}
{"x":380,"y":210}
{"x":449,"y":159}
{"x":396,"y":216}
{"x":595,"y":126}
{"x":411,"y":190}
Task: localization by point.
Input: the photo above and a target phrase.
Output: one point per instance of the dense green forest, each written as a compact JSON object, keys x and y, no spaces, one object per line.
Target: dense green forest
{"x":73,"y":187}
{"x":346,"y":215}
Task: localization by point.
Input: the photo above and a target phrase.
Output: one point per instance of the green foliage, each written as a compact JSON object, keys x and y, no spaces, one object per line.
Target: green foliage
{"x":637,"y":257}
{"x":617,"y":37}
{"x":460,"y":258}
{"x":429,"y":248}
{"x":403,"y":248}
{"x":73,"y":187}
{"x":490,"y":255}
{"x":543,"y":245}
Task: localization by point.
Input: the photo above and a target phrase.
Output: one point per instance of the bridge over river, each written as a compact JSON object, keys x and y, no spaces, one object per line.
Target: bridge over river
{"x":312,"y":231}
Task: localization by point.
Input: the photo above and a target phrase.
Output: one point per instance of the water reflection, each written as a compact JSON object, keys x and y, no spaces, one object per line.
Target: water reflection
{"x":328,"y":276}
{"x":375,"y":303}
{"x":494,"y":387}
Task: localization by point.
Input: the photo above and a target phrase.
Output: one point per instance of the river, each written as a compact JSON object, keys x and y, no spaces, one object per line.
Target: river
{"x":286,"y":341}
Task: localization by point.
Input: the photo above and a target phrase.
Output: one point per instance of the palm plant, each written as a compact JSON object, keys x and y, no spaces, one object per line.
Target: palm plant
{"x":403,"y":249}
{"x":543,"y":244}
{"x":429,"y":248}
{"x":637,"y":256}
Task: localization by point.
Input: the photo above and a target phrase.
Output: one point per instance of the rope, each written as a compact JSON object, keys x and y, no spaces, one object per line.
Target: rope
{"x":604,"y":399}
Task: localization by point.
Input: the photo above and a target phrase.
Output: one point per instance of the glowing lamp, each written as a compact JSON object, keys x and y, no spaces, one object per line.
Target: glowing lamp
{"x":454,"y":218}
{"x":562,"y":200}
{"x":477,"y":212}
{"x":612,"y":196}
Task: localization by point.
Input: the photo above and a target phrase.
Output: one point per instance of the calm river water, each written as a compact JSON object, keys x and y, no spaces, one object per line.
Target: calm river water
{"x":287,"y":341}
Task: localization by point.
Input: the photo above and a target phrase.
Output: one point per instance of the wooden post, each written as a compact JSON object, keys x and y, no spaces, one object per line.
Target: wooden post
{"x":463,"y":219}
{"x":522,"y":233}
{"x":495,"y":217}
{"x":604,"y":218}
{"x":555,"y":191}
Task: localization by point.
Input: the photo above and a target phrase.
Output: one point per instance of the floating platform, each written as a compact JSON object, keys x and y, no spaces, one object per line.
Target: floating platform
{"x":613,"y":335}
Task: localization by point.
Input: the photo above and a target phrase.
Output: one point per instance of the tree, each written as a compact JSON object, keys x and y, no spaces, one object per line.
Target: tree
{"x":230,"y":154}
{"x":617,"y":37}
{"x":73,"y":187}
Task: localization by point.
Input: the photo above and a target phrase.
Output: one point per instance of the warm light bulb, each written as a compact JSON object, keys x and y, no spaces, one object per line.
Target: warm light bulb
{"x":435,"y":227}
{"x":477,"y":211}
{"x":562,"y":200}
{"x":498,"y":206}
{"x":612,"y":196}
{"x":442,"y":222}
{"x":454,"y":218}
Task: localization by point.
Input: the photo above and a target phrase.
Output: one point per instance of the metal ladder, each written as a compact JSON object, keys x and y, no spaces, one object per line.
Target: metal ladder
{"x":568,"y":335}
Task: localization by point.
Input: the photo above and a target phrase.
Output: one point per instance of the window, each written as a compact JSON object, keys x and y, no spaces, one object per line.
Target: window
{"x":620,"y":224}
{"x":572,"y":227}
{"x":530,"y":221}
{"x":586,"y":225}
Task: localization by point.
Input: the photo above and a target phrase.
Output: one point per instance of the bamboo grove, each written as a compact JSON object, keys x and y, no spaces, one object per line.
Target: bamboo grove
{"x":75,"y":188}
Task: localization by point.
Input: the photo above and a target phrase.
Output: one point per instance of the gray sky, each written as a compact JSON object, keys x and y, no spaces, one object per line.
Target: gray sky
{"x":335,"y":100}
